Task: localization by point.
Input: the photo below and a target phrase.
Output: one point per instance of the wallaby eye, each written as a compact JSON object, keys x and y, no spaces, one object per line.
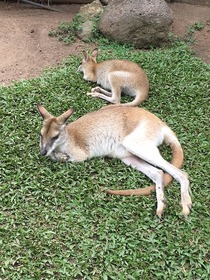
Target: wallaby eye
{"x":55,"y":137}
{"x":40,"y":135}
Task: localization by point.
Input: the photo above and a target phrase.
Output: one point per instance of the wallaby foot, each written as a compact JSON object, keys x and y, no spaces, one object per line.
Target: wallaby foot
{"x":160,"y":208}
{"x":186,"y":201}
{"x":186,"y":204}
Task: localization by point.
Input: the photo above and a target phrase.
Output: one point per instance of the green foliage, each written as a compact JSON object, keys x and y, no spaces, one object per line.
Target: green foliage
{"x":198,"y":26}
{"x":57,"y":223}
{"x":96,"y":32}
{"x":67,"y":31}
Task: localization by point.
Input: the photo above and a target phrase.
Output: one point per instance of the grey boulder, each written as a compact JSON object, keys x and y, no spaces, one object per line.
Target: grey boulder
{"x":143,"y":23}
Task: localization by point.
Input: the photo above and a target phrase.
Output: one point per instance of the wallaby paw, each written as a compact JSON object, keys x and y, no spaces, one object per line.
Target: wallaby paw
{"x":61,"y":156}
{"x":94,"y":94}
{"x":64,"y":158}
{"x":96,"y":89}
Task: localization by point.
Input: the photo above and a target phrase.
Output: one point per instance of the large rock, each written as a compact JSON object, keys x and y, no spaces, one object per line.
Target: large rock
{"x":104,"y":2}
{"x":88,"y":12}
{"x":143,"y":23}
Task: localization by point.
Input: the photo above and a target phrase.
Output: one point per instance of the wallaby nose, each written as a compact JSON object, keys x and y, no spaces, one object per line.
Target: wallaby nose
{"x":43,"y":152}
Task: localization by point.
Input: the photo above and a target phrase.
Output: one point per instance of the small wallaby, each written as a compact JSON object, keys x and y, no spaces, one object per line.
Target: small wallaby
{"x":127,"y":133}
{"x":119,"y":76}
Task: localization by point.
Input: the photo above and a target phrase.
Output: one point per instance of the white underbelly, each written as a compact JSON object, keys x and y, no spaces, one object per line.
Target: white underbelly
{"x":108,"y":148}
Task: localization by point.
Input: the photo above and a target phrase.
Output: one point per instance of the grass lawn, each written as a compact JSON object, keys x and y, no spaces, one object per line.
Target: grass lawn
{"x":57,"y":223}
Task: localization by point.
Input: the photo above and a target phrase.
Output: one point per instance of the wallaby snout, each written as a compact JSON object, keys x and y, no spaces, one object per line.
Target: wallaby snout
{"x":43,"y":151}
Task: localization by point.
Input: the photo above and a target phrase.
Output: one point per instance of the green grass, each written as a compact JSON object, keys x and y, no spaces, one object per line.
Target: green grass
{"x":197,"y":26}
{"x":57,"y":223}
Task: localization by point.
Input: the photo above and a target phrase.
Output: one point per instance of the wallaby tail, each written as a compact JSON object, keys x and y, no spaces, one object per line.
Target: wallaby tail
{"x":177,"y":160}
{"x":135,"y":102}
{"x":140,"y":96}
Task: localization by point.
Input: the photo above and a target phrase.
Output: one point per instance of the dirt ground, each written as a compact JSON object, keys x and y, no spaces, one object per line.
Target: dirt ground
{"x":185,"y":16}
{"x":26,"y":49}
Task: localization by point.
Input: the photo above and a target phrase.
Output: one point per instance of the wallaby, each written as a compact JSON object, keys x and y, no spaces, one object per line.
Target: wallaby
{"x":131,"y":134}
{"x":115,"y":75}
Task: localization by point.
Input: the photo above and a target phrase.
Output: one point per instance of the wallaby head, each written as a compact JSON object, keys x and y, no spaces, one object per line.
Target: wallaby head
{"x":88,"y":65}
{"x":53,"y":130}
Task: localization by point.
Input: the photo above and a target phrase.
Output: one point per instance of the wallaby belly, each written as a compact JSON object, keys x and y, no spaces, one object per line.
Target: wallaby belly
{"x":109,"y":147}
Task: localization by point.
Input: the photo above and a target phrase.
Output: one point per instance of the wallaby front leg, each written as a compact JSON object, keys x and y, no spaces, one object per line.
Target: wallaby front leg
{"x":103,"y":94}
{"x":155,"y":174}
{"x":101,"y":90}
{"x":111,"y":97}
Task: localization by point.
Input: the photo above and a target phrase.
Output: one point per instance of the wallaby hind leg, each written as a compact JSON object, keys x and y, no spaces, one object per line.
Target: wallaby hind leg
{"x":150,"y":153}
{"x":155,"y":174}
{"x":115,"y":82}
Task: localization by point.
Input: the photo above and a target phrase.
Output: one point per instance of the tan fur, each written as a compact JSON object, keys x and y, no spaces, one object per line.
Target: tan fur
{"x":128,"y":133}
{"x":119,"y":76}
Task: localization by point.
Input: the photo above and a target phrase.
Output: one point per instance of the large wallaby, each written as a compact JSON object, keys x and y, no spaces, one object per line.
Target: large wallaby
{"x":119,"y":76}
{"x":128,"y":133}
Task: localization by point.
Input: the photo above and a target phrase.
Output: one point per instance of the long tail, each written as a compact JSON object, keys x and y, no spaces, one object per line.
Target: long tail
{"x":177,"y":160}
{"x":140,"y":96}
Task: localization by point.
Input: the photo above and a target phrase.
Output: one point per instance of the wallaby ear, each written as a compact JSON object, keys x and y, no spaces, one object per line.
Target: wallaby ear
{"x":64,"y":117}
{"x":94,"y":53}
{"x":43,"y":112}
{"x":85,"y":55}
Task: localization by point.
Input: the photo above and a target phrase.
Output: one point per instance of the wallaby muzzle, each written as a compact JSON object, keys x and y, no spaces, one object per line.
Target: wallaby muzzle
{"x":43,"y":151}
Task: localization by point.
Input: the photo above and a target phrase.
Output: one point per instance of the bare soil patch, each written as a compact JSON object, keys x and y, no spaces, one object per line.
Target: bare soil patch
{"x":185,"y":16}
{"x":26,"y":49}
